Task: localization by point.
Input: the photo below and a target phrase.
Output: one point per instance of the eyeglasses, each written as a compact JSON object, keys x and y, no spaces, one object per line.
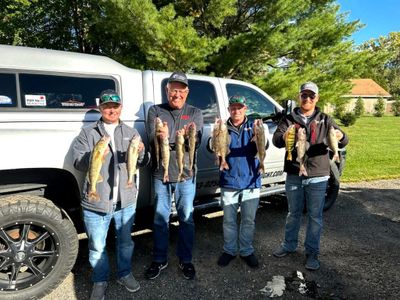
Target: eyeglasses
{"x":305,"y":96}
{"x":178,"y":91}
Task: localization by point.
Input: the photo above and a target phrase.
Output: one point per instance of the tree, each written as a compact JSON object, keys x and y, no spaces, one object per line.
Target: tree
{"x":396,"y":107}
{"x":274,"y":44}
{"x":359,"y":108}
{"x":384,"y":65}
{"x":379,"y":107}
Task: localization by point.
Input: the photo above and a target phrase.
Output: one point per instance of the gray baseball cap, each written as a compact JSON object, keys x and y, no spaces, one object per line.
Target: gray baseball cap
{"x":309,"y":86}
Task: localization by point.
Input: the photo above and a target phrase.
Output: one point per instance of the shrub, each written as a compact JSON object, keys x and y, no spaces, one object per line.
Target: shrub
{"x":396,"y":107}
{"x":348,"y":119}
{"x":379,"y":107}
{"x":340,"y":109}
{"x":359,"y":109}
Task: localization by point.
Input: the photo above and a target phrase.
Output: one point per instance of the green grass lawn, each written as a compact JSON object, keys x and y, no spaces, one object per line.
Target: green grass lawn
{"x":374,"y":149}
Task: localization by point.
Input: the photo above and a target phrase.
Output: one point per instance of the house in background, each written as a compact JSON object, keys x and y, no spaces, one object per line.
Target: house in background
{"x":369,"y":91}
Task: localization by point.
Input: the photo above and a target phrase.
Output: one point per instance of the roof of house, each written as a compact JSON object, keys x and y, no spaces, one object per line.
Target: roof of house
{"x":367,"y":88}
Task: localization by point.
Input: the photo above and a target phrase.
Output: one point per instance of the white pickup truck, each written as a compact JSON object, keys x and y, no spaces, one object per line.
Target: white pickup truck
{"x":46,"y":97}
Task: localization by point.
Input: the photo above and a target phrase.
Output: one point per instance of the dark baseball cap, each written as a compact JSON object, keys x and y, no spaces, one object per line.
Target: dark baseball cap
{"x":108,"y":96}
{"x":178,"y":77}
{"x":237,"y":99}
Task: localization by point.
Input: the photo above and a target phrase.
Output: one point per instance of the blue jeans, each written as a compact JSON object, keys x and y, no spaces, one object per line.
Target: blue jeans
{"x":184,"y":197}
{"x":248,"y":201}
{"x":97,"y":225}
{"x":311,"y":191}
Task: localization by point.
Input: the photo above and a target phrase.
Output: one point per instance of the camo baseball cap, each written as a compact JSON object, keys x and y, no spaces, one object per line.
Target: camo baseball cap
{"x":237,"y":99}
{"x":108,"y":96}
{"x":309,"y":86}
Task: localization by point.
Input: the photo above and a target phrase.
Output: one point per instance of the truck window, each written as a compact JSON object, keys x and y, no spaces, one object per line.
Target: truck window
{"x":201,"y":95}
{"x":8,"y":90}
{"x":258,"y":105}
{"x":61,"y":92}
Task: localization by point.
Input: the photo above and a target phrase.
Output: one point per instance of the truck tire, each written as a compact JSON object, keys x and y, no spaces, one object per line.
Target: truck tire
{"x":38,"y":247}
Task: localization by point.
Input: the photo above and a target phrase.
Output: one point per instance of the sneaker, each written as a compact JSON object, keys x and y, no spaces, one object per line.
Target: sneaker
{"x":129,"y":282}
{"x":281,"y":252}
{"x":251,"y":260}
{"x":155,"y":269}
{"x":312,"y":262}
{"x":188,"y":270}
{"x":225,"y":259}
{"x":98,"y":290}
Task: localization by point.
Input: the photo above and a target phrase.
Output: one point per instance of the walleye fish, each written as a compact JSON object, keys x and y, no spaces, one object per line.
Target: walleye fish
{"x":158,"y":125}
{"x":259,"y":138}
{"x":221,"y":141}
{"x":192,"y":145}
{"x":96,"y":162}
{"x":301,"y":147}
{"x":289,"y":141}
{"x":132,"y":157}
{"x":165,"y":154}
{"x":333,"y":144}
{"x":180,"y":152}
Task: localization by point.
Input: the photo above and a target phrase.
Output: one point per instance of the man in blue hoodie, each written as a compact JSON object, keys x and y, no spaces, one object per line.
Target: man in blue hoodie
{"x":240,"y":186}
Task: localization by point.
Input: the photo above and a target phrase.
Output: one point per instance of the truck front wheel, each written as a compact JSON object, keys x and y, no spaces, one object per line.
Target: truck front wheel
{"x":38,"y":247}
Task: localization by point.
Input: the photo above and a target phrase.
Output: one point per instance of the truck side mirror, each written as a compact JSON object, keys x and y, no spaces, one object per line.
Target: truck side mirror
{"x":289,"y":106}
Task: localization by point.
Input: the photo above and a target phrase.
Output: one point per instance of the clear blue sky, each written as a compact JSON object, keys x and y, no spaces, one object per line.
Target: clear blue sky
{"x":379,"y":17}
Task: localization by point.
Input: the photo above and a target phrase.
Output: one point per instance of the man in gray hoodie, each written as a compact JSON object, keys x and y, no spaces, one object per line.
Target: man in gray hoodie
{"x":116,"y":199}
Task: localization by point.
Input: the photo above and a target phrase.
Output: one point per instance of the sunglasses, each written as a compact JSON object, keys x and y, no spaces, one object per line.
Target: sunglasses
{"x":305,"y":96}
{"x":110,"y":98}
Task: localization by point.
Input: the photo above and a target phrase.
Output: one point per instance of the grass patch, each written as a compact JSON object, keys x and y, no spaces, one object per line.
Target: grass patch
{"x":373,"y":151}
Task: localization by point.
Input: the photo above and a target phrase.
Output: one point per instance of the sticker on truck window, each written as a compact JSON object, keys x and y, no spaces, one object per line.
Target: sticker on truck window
{"x":72,"y":103}
{"x":35,"y":100}
{"x":5,"y":100}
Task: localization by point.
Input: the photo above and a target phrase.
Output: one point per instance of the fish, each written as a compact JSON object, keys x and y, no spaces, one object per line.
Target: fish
{"x":158,"y":125}
{"x":290,"y":140}
{"x":180,"y":152}
{"x":165,"y":154}
{"x":220,"y":143}
{"x":333,"y":144}
{"x":259,"y":139}
{"x":96,"y":162}
{"x":301,"y":147}
{"x":131,"y":159}
{"x":192,"y":145}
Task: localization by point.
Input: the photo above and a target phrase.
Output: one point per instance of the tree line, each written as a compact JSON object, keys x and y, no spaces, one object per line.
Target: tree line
{"x":274,"y":44}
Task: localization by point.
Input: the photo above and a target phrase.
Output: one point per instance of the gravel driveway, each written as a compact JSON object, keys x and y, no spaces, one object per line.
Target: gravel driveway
{"x":359,"y":256}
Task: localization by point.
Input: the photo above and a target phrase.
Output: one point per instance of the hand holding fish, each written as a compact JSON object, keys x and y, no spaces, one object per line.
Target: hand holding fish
{"x":339,"y":134}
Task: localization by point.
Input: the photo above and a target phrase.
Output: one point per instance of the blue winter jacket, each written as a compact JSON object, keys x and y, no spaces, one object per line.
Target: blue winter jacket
{"x":243,"y":165}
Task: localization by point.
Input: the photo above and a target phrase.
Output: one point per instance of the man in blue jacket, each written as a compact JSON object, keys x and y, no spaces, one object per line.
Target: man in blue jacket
{"x":240,"y":186}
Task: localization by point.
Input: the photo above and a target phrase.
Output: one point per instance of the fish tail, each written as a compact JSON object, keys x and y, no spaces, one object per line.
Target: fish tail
{"x":94,"y":196}
{"x":289,"y":155}
{"x":224,"y":166}
{"x":303,"y":170}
